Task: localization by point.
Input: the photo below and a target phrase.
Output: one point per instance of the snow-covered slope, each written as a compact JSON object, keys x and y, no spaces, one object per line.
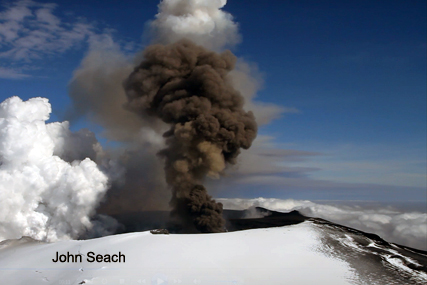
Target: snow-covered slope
{"x":307,"y":253}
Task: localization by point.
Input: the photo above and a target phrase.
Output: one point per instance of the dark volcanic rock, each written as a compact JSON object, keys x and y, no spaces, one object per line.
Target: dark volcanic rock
{"x":160,"y":232}
{"x":270,"y":219}
{"x":235,"y":219}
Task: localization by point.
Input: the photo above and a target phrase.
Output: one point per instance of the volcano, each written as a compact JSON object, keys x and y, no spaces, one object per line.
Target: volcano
{"x":260,"y":247}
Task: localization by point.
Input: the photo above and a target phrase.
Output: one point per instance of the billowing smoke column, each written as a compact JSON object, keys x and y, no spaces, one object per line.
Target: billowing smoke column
{"x":187,"y":87}
{"x":97,"y":93}
{"x":51,"y":181}
{"x":177,"y":85}
{"x":42,"y":195}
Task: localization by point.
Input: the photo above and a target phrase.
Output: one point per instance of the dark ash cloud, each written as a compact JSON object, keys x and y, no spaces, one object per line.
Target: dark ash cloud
{"x":188,"y":87}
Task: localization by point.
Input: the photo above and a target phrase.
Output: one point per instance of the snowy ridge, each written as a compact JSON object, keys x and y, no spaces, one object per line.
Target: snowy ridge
{"x":312,"y":252}
{"x":271,"y":255}
{"x":374,"y":260}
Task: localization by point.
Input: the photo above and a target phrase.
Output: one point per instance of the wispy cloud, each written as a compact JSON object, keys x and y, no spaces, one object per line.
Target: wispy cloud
{"x":10,"y":73}
{"x":272,"y":169}
{"x":267,"y":158}
{"x":400,"y":165}
{"x":30,"y":31}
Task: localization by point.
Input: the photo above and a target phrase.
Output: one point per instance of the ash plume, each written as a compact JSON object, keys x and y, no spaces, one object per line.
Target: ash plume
{"x":97,"y":92}
{"x":188,"y":87}
{"x":54,"y":182}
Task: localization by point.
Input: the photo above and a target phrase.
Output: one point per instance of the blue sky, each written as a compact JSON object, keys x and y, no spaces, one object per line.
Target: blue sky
{"x":352,"y":74}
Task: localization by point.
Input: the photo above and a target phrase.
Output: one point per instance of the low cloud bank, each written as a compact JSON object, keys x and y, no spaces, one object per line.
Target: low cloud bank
{"x":396,"y":225}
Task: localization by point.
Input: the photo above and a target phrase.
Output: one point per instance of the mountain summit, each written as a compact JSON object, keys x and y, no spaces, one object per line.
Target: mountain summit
{"x":301,"y":250}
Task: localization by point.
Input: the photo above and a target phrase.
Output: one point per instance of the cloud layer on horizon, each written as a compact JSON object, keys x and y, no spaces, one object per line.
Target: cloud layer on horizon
{"x":390,"y":223}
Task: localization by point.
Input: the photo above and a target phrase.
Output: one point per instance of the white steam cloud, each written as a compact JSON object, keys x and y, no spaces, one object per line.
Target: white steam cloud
{"x":391,"y":224}
{"x":42,"y":195}
{"x":201,"y":21}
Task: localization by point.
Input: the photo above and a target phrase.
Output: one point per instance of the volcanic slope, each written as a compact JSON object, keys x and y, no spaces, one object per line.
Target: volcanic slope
{"x":312,"y":251}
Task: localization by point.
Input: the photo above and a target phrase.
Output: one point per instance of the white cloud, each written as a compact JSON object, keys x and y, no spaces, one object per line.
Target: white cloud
{"x":394,"y":225}
{"x":42,"y":195}
{"x":201,"y":21}
{"x":31,"y":31}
